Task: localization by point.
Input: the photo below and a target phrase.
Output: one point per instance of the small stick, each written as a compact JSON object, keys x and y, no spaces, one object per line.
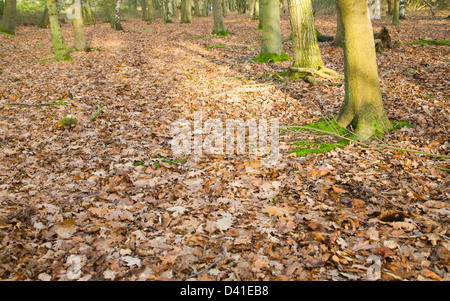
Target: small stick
{"x":224,"y":256}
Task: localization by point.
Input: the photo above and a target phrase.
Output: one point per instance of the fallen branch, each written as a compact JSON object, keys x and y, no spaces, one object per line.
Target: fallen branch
{"x":224,"y":256}
{"x":30,"y":104}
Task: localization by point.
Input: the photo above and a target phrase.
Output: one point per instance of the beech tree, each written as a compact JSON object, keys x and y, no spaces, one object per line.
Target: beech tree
{"x":78,"y":28}
{"x":271,"y":45}
{"x":8,"y":21}
{"x":339,"y":38}
{"x":60,"y":49}
{"x":219,"y":28}
{"x":362,"y":107}
{"x":150,"y":11}
{"x":43,"y":23}
{"x":185,"y":11}
{"x":396,"y":13}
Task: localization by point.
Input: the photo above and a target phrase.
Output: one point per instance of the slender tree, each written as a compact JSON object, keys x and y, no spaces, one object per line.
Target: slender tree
{"x":60,"y":49}
{"x":219,"y":28}
{"x":144,"y":10}
{"x":151,"y":11}
{"x":117,"y":23}
{"x":339,"y":38}
{"x":8,"y":21}
{"x":43,"y":23}
{"x":225,"y":8}
{"x":271,"y":45}
{"x":363,"y":106}
{"x":396,"y":13}
{"x":78,"y":27}
{"x":401,"y":13}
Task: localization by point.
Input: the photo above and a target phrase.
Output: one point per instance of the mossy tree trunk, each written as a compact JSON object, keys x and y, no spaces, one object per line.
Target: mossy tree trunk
{"x":43,"y":23}
{"x":151,"y":11}
{"x":271,"y":30}
{"x":339,"y":38}
{"x":89,"y":15}
{"x":60,"y":49}
{"x":117,"y":23}
{"x":219,"y":28}
{"x":78,"y":27}
{"x":396,"y":13}
{"x":304,"y":38}
{"x":363,"y":106}
{"x":8,"y":21}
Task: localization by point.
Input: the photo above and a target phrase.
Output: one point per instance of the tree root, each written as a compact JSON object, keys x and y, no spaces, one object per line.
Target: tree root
{"x":322,"y":72}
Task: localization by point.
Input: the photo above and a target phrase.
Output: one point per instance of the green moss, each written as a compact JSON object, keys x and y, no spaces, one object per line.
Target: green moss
{"x":138,"y":163}
{"x":397,"y":125}
{"x":67,"y":121}
{"x":7,"y":34}
{"x":317,"y":147}
{"x":271,"y":57}
{"x":217,"y":46}
{"x":222,"y":33}
{"x":432,"y":42}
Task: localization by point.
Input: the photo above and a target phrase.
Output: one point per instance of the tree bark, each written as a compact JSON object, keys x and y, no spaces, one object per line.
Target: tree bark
{"x":185,"y":11}
{"x":197,"y":8}
{"x":390,"y":7}
{"x":304,"y":39}
{"x":363,"y":106}
{"x":78,"y":27}
{"x":144,"y":10}
{"x":43,"y":23}
{"x":219,"y":28}
{"x":271,"y":31}
{"x":401,"y":13}
{"x":224,"y":8}
{"x":339,"y":38}
{"x":8,"y":21}
{"x":151,"y":11}
{"x":117,"y":23}
{"x":396,"y":13}
{"x":60,"y":49}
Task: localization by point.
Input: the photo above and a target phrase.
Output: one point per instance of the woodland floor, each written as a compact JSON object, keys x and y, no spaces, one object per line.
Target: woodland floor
{"x":73,"y":205}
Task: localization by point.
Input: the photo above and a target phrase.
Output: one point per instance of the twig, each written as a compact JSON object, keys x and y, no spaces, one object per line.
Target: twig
{"x":99,"y":111}
{"x":430,"y":6}
{"x":224,"y":256}
{"x":248,"y":61}
{"x":30,"y":104}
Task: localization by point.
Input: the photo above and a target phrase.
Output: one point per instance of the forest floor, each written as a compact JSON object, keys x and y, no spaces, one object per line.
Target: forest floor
{"x":95,"y":200}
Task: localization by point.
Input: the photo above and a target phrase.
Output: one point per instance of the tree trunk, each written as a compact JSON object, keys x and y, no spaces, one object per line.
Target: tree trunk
{"x":89,"y":15}
{"x":260,"y":24}
{"x":197,"y":8}
{"x":117,"y":24}
{"x":304,"y":39}
{"x":285,"y":6}
{"x":78,"y":27}
{"x":390,"y":7}
{"x":219,"y":28}
{"x":225,"y":8}
{"x":401,"y":13}
{"x":396,"y":13}
{"x":43,"y":23}
{"x":8,"y":21}
{"x":363,"y":105}
{"x":339,"y":30}
{"x":185,"y":11}
{"x":251,"y":5}
{"x":205,"y":8}
{"x":60,"y":49}
{"x":271,"y":31}
{"x":151,"y":11}
{"x":144,"y":10}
